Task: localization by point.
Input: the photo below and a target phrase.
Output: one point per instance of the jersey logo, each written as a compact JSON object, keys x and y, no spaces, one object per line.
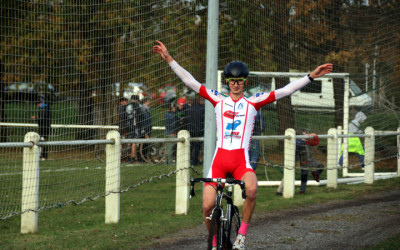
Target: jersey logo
{"x":232,"y":134}
{"x":240,"y":106}
{"x":230,"y":114}
{"x":227,"y":104}
{"x":215,"y":92}
{"x":259,"y":94}
{"x":234,"y":125}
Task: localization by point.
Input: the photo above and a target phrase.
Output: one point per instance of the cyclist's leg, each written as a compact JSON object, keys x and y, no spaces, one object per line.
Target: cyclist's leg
{"x":209,"y":195}
{"x":250,"y":180}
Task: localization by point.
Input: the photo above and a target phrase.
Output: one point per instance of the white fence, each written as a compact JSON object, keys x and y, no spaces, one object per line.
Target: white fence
{"x":31,"y":144}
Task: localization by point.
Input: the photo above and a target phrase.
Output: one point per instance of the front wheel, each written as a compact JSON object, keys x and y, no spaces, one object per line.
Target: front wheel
{"x":152,"y":153}
{"x":233,"y":225}
{"x":215,"y":229}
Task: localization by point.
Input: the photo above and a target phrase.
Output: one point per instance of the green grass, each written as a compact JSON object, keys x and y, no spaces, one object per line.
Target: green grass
{"x":391,"y":243}
{"x":147,"y":212}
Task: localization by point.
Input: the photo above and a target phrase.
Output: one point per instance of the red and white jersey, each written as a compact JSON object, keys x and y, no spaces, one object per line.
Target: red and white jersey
{"x":235,"y":119}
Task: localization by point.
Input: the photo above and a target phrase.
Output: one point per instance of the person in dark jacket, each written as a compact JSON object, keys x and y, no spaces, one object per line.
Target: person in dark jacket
{"x":170,"y":132}
{"x":123,"y":126}
{"x":134,"y":116}
{"x":305,"y":156}
{"x":146,"y":125}
{"x":196,"y":127}
{"x":182,"y":114}
{"x":44,"y":122}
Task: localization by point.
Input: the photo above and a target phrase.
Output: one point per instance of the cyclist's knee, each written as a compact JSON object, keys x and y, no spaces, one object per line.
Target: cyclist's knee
{"x":251,"y":192}
{"x":208,"y":199}
{"x":207,"y":209}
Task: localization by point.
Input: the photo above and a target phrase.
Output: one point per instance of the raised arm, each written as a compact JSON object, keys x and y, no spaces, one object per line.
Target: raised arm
{"x":262,"y":99}
{"x":185,"y":76}
{"x":296,"y":85}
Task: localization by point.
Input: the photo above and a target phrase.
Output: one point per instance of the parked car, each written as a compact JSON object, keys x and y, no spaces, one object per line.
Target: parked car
{"x":138,"y":89}
{"x":169,"y":94}
{"x":26,"y":91}
{"x":317,"y":96}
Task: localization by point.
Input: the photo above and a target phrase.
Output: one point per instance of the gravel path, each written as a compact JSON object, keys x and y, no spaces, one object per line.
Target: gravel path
{"x":334,"y":225}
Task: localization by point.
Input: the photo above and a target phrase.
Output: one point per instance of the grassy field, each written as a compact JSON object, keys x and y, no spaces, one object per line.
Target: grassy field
{"x":147,"y":212}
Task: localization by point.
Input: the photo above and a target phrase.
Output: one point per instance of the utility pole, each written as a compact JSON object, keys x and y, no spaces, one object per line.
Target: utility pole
{"x":211,"y":83}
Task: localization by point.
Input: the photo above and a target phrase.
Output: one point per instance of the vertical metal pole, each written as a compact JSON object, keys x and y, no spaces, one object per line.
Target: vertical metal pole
{"x":398,"y":152}
{"x":346,"y":126}
{"x":211,"y":83}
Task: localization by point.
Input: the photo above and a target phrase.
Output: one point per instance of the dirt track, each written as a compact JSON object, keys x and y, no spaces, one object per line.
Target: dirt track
{"x":334,"y":225}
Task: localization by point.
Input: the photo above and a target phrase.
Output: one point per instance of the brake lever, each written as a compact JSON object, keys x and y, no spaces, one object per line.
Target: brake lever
{"x":242,"y":186}
{"x":192,"y":194}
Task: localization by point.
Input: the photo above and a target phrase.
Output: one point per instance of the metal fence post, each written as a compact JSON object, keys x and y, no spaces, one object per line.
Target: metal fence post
{"x":182,"y":174}
{"x":369,"y":159}
{"x":332,"y":161}
{"x":113,"y":178}
{"x":30,"y":185}
{"x":237,"y":196}
{"x":289,"y":163}
{"x":346,"y":126}
{"x":398,"y":152}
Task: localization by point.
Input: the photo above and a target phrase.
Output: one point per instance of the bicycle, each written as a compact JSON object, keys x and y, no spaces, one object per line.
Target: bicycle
{"x":225,"y":226}
{"x":152,"y":153}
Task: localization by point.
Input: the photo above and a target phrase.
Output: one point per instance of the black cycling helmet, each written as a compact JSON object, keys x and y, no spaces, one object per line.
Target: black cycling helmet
{"x":236,"y":69}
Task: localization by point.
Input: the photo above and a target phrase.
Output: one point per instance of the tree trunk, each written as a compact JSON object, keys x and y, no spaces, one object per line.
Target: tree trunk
{"x":281,"y":57}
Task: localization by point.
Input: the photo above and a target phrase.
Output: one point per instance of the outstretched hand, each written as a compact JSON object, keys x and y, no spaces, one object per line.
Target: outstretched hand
{"x":322,"y":70}
{"x":162,"y":50}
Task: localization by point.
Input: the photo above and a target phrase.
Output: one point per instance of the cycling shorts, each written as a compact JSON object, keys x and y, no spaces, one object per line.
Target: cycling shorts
{"x":230,"y":161}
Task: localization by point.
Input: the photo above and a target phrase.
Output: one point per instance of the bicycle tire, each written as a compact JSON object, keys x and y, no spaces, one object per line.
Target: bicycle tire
{"x":234,"y":227}
{"x":215,"y":228}
{"x":156,"y":154}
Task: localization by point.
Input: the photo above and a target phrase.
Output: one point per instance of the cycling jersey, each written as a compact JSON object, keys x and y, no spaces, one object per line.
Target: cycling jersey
{"x":235,"y":120}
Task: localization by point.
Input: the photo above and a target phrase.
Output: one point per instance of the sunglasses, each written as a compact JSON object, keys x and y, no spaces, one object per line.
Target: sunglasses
{"x":238,"y":81}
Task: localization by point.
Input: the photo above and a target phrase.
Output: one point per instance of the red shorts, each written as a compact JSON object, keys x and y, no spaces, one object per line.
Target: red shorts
{"x":230,"y":161}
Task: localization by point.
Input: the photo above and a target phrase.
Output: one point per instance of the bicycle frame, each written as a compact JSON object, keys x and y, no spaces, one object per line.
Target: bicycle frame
{"x":225,"y":219}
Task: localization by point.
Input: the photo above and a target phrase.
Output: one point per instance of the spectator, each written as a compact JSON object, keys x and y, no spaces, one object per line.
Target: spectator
{"x":355,"y":145}
{"x":305,"y":156}
{"x":145,"y":124}
{"x":196,"y":127}
{"x":122,"y":123}
{"x":259,"y":126}
{"x":170,"y":132}
{"x":181,"y":114}
{"x":133,"y":117}
{"x":43,"y":119}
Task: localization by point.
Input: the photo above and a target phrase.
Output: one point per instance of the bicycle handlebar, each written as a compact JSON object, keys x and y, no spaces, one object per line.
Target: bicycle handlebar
{"x":218,"y":181}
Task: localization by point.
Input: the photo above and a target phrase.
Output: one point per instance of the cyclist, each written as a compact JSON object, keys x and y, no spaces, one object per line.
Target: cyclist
{"x":235,"y":115}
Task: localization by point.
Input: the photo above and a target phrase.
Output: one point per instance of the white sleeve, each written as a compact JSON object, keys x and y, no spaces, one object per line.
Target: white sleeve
{"x":291,"y":87}
{"x":185,"y":76}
